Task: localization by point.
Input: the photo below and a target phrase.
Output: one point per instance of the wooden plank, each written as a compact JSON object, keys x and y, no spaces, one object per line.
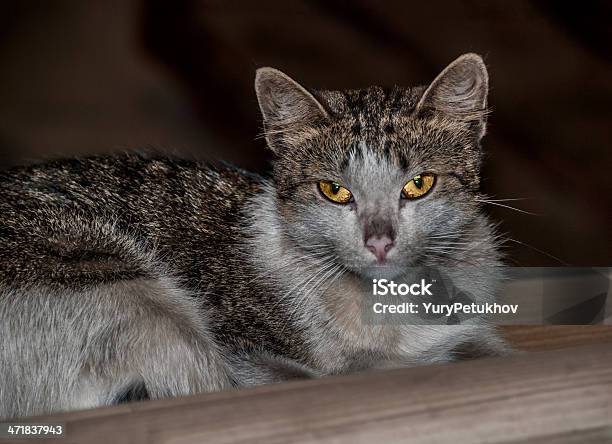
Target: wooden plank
{"x":550,"y":337}
{"x":553,"y":396}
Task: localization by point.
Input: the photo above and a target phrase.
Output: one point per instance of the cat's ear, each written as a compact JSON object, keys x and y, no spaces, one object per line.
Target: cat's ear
{"x":287,"y":108}
{"x":460,"y":91}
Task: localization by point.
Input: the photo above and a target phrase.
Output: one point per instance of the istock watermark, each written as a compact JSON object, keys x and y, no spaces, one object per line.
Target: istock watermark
{"x":563,"y":295}
{"x":383,"y":287}
{"x":448,"y":310}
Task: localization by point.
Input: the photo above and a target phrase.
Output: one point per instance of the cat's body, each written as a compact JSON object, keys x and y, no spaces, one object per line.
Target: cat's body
{"x":132,"y":274}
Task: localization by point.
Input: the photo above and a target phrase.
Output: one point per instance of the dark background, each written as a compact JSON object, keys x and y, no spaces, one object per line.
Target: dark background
{"x":82,"y":77}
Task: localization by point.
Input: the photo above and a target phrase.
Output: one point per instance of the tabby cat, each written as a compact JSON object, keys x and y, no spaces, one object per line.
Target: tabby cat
{"x":137,"y":276}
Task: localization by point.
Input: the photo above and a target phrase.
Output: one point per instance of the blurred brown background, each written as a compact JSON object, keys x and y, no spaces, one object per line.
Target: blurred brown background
{"x":94,"y":76}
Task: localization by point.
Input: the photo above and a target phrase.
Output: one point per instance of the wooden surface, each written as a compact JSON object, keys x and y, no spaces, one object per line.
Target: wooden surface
{"x":548,"y":396}
{"x":552,"y":337}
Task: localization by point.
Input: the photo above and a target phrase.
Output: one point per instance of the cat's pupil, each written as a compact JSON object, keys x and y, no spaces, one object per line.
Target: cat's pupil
{"x":335,"y":188}
{"x":418,"y":182}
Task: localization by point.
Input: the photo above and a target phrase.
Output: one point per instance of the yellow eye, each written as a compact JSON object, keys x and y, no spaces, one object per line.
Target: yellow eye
{"x":335,"y":192}
{"x":419,"y":186}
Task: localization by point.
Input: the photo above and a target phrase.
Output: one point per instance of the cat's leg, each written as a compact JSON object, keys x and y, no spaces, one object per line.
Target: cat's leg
{"x":255,"y":367}
{"x":482,"y":343}
{"x":444,"y":343}
{"x":63,"y":349}
{"x":437,"y":344}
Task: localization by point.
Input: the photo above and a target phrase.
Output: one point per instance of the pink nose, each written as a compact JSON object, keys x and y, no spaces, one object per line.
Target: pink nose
{"x":379,"y":246}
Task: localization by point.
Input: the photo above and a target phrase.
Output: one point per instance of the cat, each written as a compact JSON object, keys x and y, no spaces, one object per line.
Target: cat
{"x":138,"y":275}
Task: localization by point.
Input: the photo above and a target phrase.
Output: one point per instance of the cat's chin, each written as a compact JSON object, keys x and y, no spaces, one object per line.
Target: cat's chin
{"x":382,"y":271}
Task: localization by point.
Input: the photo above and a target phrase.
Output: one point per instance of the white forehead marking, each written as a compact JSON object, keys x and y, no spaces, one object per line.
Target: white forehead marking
{"x":371,"y":175}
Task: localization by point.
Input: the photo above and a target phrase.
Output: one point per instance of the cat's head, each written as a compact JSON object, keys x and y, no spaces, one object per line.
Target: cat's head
{"x":378,"y":177}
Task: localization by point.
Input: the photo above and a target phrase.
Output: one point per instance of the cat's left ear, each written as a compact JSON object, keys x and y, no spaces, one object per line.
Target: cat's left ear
{"x":287,"y":108}
{"x":460,"y":92}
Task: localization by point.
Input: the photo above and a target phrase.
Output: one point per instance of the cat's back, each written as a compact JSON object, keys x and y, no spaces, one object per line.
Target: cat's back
{"x":114,"y":211}
{"x":114,"y":181}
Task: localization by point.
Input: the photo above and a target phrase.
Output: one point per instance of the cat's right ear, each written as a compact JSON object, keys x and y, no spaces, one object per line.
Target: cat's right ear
{"x":288,"y":109}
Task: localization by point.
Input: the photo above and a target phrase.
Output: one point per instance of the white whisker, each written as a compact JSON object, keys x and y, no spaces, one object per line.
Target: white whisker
{"x":506,"y":206}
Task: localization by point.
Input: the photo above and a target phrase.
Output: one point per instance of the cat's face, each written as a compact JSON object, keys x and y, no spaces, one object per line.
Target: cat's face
{"x":378,"y":180}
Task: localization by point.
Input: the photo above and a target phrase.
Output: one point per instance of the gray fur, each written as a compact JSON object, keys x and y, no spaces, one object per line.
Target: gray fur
{"x":137,"y":269}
